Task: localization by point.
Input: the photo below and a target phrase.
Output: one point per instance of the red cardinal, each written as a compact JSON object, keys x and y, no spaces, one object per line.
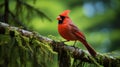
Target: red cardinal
{"x":70,"y":32}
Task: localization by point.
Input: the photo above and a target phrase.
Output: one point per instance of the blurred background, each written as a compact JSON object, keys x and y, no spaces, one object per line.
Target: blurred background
{"x":98,"y":19}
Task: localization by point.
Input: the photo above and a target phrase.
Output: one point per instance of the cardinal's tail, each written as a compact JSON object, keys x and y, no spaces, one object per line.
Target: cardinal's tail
{"x":89,"y":48}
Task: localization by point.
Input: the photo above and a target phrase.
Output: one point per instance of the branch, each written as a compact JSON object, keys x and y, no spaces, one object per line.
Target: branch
{"x":75,"y":52}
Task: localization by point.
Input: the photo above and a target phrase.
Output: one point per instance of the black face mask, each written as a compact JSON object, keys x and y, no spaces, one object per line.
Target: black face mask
{"x":61,"y":21}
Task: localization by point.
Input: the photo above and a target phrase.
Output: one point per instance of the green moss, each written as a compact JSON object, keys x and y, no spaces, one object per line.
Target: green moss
{"x":22,"y":51}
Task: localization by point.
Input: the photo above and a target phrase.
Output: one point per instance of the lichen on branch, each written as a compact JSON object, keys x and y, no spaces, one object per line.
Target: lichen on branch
{"x":25,"y":38}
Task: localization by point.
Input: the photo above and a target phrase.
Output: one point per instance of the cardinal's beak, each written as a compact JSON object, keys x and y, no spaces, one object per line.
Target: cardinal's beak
{"x":58,"y":18}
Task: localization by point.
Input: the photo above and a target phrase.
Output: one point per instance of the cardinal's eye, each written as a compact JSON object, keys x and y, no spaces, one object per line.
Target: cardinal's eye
{"x":62,"y":17}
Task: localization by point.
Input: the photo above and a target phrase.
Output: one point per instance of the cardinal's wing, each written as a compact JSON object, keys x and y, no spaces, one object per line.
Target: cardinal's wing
{"x":77,"y":32}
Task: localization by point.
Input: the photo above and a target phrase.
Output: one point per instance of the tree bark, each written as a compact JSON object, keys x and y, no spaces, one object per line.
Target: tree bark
{"x":6,"y":14}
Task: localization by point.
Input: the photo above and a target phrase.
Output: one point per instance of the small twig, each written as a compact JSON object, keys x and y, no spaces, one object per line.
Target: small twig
{"x":17,"y":20}
{"x":35,"y":9}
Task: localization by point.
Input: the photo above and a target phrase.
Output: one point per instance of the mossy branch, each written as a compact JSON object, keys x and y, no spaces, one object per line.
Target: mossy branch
{"x":76,"y":53}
